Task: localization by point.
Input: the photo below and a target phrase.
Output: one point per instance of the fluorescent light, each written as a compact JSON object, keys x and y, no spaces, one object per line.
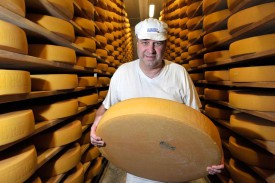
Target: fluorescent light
{"x":151,"y":10}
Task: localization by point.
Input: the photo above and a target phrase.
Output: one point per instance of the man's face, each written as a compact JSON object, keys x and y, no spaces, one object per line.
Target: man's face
{"x":150,"y":52}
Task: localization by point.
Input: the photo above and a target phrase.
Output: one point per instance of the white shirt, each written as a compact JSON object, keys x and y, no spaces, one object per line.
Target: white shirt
{"x":173,"y":83}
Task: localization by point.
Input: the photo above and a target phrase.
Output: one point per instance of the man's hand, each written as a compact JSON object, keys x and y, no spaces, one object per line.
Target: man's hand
{"x":214,"y":169}
{"x":95,"y":140}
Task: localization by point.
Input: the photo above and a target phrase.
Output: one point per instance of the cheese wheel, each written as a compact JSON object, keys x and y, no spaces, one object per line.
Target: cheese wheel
{"x":249,"y":16}
{"x":241,"y":173}
{"x":195,"y":22}
{"x":209,"y":6}
{"x":88,"y":62}
{"x":252,"y":45}
{"x":253,"y":74}
{"x":231,"y":4}
{"x":85,"y":138}
{"x":56,"y":110}
{"x":217,"y":112}
{"x":150,"y":116}
{"x":194,"y":35}
{"x":213,"y":38}
{"x":101,"y":39}
{"x":184,"y":55}
{"x":16,"y":6}
{"x":85,"y":81}
{"x":66,"y":7}
{"x":252,"y":126}
{"x":216,"y":56}
{"x":102,"y":27}
{"x":62,"y":162}
{"x":186,"y":66}
{"x":193,"y":49}
{"x":194,"y":9}
{"x":60,"y":136}
{"x":110,"y":37}
{"x":102,"y":53}
{"x":13,"y":38}
{"x":252,"y":100}
{"x":86,"y":43}
{"x":215,"y":94}
{"x":184,"y":33}
{"x":58,"y":26}
{"x":102,"y":94}
{"x":50,"y":82}
{"x":216,"y":17}
{"x":111,"y":70}
{"x":94,"y":169}
{"x":88,"y":100}
{"x":221,"y":75}
{"x":110,"y":59}
{"x":196,"y":76}
{"x":53,"y":53}
{"x":14,"y":82}
{"x":184,"y":44}
{"x":19,"y":165}
{"x":91,"y":154}
{"x":110,"y":47}
{"x":195,"y":63}
{"x":16,"y":125}
{"x":86,"y":24}
{"x":102,"y":67}
{"x":251,"y":154}
{"x":76,"y":175}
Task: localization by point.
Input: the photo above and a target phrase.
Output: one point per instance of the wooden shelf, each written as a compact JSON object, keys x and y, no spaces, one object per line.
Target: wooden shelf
{"x":45,"y":155}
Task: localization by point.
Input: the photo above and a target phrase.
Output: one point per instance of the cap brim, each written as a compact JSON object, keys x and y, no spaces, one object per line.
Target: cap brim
{"x":155,"y":37}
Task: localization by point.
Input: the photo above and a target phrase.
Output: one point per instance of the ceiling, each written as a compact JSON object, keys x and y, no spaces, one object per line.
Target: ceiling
{"x":138,"y":10}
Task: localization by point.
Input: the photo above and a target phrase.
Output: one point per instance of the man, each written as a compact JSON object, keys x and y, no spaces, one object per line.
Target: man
{"x":149,"y":76}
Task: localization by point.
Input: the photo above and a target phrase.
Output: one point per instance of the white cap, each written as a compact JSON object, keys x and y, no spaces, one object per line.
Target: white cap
{"x":151,"y":28}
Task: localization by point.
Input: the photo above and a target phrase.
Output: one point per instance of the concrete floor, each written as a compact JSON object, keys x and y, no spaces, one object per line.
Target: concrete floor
{"x":112,"y":174}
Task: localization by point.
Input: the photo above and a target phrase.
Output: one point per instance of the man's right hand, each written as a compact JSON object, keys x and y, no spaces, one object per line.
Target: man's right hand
{"x":95,"y":140}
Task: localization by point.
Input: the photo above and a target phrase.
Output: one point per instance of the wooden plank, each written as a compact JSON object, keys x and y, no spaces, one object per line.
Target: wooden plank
{"x":45,"y":155}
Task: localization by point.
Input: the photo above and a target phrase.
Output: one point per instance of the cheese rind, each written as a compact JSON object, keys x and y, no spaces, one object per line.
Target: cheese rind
{"x":213,"y":38}
{"x":76,"y":175}
{"x":56,"y":110}
{"x":217,"y":112}
{"x":252,"y":100}
{"x":13,"y":38}
{"x":50,"y":82}
{"x":214,"y":18}
{"x":18,"y":166}
{"x":251,"y":45}
{"x":53,"y":53}
{"x":86,"y":43}
{"x":85,"y":81}
{"x":66,"y":7}
{"x":252,"y":126}
{"x":86,"y":24}
{"x":215,"y":94}
{"x":16,"y":125}
{"x":253,"y":74}
{"x":88,"y":100}
{"x":88,"y":62}
{"x":58,"y":26}
{"x":58,"y":137}
{"x":216,"y":56}
{"x":16,"y":6}
{"x":89,"y":155}
{"x":221,"y":75}
{"x":14,"y":82}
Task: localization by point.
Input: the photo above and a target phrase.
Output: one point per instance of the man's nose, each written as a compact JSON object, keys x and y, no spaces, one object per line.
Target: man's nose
{"x":151,"y":47}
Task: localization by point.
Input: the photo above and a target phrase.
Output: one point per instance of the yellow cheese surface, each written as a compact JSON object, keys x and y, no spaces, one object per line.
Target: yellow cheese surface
{"x":215,"y":94}
{"x":91,"y":99}
{"x":217,"y":112}
{"x":76,"y":175}
{"x":89,"y":62}
{"x":216,"y":17}
{"x":86,"y":24}
{"x":91,"y":154}
{"x":213,"y":38}
{"x":86,"y":43}
{"x":216,"y":56}
{"x":13,"y":38}
{"x":221,"y":75}
{"x":16,"y":6}
{"x":85,"y":81}
{"x":66,"y":7}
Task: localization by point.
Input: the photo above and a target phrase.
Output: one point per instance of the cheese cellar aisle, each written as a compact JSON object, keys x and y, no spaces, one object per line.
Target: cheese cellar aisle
{"x":56,"y":59}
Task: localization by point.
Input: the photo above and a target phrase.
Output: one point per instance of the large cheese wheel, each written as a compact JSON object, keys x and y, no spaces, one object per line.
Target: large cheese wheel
{"x":195,"y":63}
{"x":16,"y":6}
{"x":252,"y":126}
{"x":56,"y":110}
{"x":94,"y":169}
{"x":249,"y":16}
{"x":251,"y":154}
{"x":86,"y":43}
{"x":252,"y":100}
{"x":194,"y":22}
{"x":209,"y":6}
{"x":85,"y":81}
{"x":16,"y":125}
{"x":241,"y":173}
{"x":14,"y":82}
{"x":19,"y":165}
{"x":193,"y":35}
{"x":252,"y":45}
{"x":89,"y":62}
{"x":66,"y":7}
{"x":157,"y":133}
{"x":253,"y":74}
{"x":215,"y":94}
{"x":85,"y":100}
{"x":193,"y":49}
{"x":53,"y":53}
{"x":49,"y":82}
{"x":216,"y":56}
{"x":58,"y":26}
{"x":13,"y":38}
{"x":221,"y":75}
{"x":217,"y":112}
{"x":76,"y":175}
{"x":91,"y":154}
{"x":61,"y":163}
{"x":102,"y":53}
{"x":210,"y":20}
{"x":213,"y":38}
{"x":101,"y":39}
{"x":196,"y":76}
{"x":58,"y":137}
{"x":86,"y":24}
